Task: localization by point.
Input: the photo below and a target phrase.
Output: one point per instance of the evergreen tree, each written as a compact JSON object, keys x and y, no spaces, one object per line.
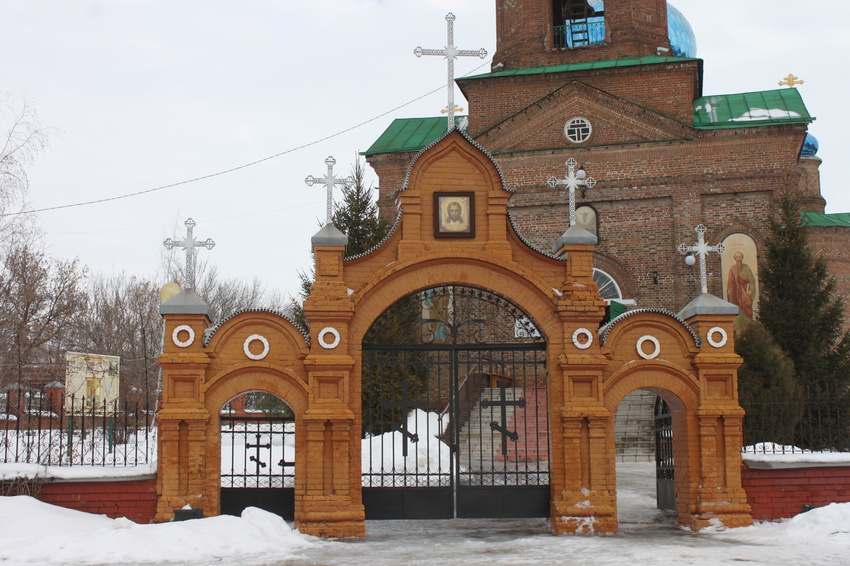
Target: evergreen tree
{"x":798,"y":305}
{"x":357,"y":216}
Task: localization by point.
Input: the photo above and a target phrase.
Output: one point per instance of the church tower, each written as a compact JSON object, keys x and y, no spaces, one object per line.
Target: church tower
{"x":541,"y":33}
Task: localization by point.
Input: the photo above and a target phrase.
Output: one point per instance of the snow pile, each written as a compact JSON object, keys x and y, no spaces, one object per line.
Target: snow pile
{"x":384,"y":454}
{"x":35,"y":532}
{"x":763,"y":454}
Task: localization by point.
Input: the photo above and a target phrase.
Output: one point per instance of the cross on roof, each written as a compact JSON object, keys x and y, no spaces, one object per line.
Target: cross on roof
{"x":189,"y":244}
{"x":574,"y":180}
{"x":330,"y":181}
{"x":701,"y":249}
{"x":790,"y":81}
{"x":450,"y":52}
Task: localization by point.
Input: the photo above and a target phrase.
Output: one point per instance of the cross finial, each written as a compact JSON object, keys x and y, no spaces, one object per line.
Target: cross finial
{"x":574,"y":180}
{"x":189,"y":244}
{"x":701,"y":249}
{"x":450,"y":52}
{"x":330,"y":181}
{"x":790,"y":81}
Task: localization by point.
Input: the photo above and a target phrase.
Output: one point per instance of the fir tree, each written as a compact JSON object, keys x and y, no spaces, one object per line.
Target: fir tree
{"x":798,"y":305}
{"x":357,"y":216}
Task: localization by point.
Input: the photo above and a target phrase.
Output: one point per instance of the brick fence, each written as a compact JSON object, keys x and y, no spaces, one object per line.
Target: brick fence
{"x":134,"y":499}
{"x":773,"y":492}
{"x":780,"y":491}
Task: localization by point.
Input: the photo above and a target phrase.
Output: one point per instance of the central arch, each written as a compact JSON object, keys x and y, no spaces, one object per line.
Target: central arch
{"x":454,"y":409}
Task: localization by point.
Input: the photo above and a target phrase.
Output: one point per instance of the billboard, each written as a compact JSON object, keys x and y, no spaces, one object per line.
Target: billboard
{"x":92,"y":379}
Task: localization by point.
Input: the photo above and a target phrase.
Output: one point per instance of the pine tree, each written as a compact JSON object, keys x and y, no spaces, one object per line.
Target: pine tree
{"x":798,"y":305}
{"x":357,"y":216}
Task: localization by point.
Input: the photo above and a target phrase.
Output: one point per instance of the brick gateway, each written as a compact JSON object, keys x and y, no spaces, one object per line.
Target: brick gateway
{"x":687,"y":359}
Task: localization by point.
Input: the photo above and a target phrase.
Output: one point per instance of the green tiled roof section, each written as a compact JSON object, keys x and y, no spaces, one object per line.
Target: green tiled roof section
{"x":769,"y":107}
{"x":648,"y":60}
{"x":841,"y":219}
{"x":411,"y":134}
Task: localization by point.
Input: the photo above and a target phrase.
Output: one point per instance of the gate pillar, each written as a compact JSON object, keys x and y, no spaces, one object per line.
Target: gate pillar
{"x":718,"y":494}
{"x":583,"y":472}
{"x":331,"y":504}
{"x":182,"y":442}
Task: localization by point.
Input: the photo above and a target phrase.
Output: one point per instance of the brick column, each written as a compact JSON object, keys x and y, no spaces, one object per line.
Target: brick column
{"x":331,"y":505}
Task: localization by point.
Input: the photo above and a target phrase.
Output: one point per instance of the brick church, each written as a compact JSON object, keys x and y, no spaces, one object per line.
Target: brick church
{"x":618,"y":88}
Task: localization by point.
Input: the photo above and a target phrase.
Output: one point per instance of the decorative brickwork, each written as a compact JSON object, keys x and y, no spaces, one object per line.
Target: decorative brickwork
{"x":321,"y":379}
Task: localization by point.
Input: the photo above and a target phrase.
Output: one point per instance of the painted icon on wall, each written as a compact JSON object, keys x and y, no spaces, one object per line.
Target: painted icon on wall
{"x":454,"y":215}
{"x":739,"y":265}
{"x":586,"y":218}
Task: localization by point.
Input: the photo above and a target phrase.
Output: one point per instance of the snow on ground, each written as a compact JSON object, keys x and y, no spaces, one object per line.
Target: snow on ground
{"x":35,"y":534}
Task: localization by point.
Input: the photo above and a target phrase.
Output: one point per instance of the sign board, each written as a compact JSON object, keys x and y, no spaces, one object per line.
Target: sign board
{"x":91,"y":380}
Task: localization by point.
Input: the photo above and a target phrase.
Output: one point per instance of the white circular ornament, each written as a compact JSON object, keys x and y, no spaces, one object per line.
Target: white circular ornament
{"x":246,"y":347}
{"x":716,"y":342}
{"x":183,"y":343}
{"x":652,"y":355}
{"x":588,"y":338}
{"x":333,"y":343}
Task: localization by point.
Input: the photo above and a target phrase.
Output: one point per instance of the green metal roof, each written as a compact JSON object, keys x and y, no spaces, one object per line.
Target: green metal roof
{"x":841,"y":219}
{"x":412,"y":134}
{"x":648,"y":60}
{"x":769,"y":107}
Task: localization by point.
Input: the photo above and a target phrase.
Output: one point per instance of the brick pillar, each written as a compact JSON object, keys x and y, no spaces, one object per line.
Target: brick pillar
{"x":582,"y":464}
{"x":182,"y":418}
{"x":716,"y":480}
{"x":331,"y":505}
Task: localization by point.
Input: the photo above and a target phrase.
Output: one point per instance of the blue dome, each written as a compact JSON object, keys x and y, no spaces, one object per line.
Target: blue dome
{"x":683,"y":42}
{"x":810,"y":146}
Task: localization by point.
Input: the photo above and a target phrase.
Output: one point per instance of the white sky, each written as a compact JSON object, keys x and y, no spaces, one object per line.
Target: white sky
{"x":152,"y":92}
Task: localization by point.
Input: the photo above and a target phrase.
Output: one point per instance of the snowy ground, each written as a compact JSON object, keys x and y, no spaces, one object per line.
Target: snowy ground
{"x":32,"y":533}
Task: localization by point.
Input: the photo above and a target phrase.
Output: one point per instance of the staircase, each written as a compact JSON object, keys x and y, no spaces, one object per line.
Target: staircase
{"x":635,"y":427}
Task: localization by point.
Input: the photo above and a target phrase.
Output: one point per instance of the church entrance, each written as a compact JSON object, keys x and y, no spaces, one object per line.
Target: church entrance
{"x":258,"y":455}
{"x":455,"y":421}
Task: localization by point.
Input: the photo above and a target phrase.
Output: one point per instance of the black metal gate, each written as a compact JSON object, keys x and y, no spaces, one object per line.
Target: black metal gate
{"x":257,"y":463}
{"x":455,"y":419}
{"x":664,"y":465}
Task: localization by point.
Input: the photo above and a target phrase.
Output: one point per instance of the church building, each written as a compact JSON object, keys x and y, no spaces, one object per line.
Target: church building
{"x":617,"y":86}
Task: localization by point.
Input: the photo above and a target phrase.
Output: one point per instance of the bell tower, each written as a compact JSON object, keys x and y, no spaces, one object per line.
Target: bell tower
{"x":541,"y":33}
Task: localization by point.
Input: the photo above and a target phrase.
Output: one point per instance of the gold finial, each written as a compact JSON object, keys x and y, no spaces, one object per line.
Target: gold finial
{"x":446,"y":109}
{"x":790,"y":81}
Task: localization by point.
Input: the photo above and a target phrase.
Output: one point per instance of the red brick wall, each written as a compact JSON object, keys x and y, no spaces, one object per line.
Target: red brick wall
{"x":782,"y":493}
{"x":134,"y":499}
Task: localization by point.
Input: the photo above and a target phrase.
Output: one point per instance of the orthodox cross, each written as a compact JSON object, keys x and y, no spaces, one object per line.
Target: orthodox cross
{"x":405,"y":405}
{"x":503,"y":404}
{"x":701,"y":249}
{"x":790,"y":81}
{"x":189,"y":244}
{"x":256,"y":459}
{"x":330,"y":181}
{"x":450,"y":52}
{"x":574,"y":180}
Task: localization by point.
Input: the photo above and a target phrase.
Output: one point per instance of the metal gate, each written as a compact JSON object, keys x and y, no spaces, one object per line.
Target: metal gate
{"x":257,"y":463}
{"x":664,"y":465}
{"x":455,"y":420}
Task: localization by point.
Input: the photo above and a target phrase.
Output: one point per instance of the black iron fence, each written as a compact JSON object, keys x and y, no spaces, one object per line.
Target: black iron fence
{"x":808,"y":421}
{"x":36,"y":429}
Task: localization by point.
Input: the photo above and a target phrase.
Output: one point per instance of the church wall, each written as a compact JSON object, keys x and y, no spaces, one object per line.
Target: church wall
{"x":831,"y":244}
{"x":669,"y":89}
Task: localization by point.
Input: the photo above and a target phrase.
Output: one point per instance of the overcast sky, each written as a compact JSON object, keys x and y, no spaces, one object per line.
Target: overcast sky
{"x":147,"y":93}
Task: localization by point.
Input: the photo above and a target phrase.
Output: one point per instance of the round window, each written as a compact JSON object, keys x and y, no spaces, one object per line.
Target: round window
{"x":578,"y":130}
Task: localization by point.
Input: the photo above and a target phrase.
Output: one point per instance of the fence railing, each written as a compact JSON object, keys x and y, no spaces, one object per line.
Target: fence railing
{"x":809,"y":421}
{"x":38,"y":430}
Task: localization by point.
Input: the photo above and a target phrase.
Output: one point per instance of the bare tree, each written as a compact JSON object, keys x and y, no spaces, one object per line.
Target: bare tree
{"x":22,"y":140}
{"x":122,"y":319}
{"x":39,"y":299}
